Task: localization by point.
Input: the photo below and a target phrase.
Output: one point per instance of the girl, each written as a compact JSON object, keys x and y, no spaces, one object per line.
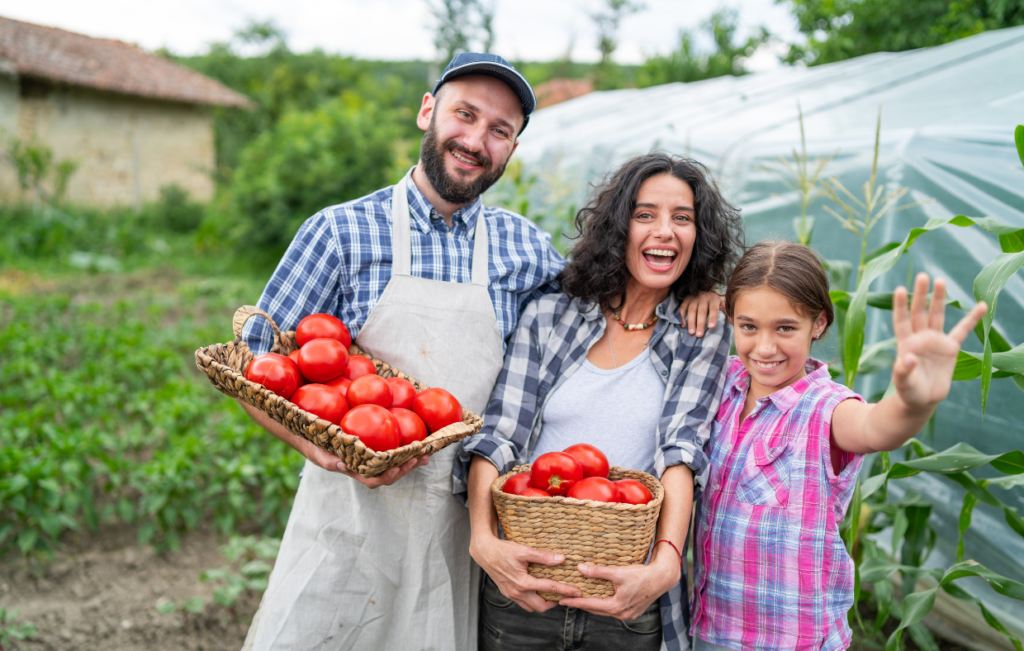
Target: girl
{"x":772,"y":572}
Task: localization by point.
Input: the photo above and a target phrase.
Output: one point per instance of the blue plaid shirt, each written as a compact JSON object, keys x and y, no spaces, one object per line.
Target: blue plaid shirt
{"x":340,"y":262}
{"x":550,"y":343}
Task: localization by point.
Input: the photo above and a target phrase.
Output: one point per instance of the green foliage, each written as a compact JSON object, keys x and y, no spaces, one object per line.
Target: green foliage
{"x":36,"y":168}
{"x":687,"y":63}
{"x":176,"y":211}
{"x":312,"y":159}
{"x":843,"y":29}
{"x":280,"y":82}
{"x":249,"y":570}
{"x":103,"y":416}
{"x":9,"y":630}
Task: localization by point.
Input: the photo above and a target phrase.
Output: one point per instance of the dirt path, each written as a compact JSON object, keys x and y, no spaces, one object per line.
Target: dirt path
{"x":101,"y":594}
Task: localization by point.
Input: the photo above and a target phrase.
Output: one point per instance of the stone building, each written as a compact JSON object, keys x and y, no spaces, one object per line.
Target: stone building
{"x":132,"y":121}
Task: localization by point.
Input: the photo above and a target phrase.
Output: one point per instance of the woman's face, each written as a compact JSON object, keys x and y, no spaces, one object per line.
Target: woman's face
{"x":662,"y":231}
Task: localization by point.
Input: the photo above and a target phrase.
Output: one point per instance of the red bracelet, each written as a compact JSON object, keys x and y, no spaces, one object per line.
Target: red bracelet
{"x":673,"y":547}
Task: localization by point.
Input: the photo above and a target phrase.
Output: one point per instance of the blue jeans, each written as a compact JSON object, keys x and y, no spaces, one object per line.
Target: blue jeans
{"x":505,"y":626}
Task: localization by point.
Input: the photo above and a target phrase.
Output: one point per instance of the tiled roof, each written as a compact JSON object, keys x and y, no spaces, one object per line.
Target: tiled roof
{"x":106,"y":64}
{"x":561,"y":90}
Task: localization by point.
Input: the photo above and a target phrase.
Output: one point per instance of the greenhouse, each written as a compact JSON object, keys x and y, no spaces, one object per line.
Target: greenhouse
{"x":948,"y":116}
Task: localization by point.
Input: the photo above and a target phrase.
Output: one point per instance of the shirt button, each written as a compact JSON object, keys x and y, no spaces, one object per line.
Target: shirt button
{"x":664,"y":373}
{"x":451,"y":235}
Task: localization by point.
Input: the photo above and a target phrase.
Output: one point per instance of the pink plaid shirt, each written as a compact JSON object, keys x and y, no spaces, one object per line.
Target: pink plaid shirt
{"x":772,"y":572}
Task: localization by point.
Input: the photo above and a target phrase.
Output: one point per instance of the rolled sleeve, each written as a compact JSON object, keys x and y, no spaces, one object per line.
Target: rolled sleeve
{"x":509,"y":418}
{"x":697,"y":378}
{"x":306,"y":281}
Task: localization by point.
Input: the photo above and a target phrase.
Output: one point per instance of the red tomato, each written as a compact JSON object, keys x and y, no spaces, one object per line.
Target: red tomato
{"x":341,"y":384}
{"x":322,"y":326}
{"x":321,"y":360}
{"x":410,"y":426}
{"x":322,"y":401}
{"x":276,"y":372}
{"x":294,"y":356}
{"x":598,"y":489}
{"x":402,"y":392}
{"x":633,"y":492}
{"x":375,"y":427}
{"x":555,"y":472}
{"x":534,"y":492}
{"x":369,"y":390}
{"x":594,"y":463}
{"x":437,"y":408}
{"x":359,"y":365}
{"x":517,"y":483}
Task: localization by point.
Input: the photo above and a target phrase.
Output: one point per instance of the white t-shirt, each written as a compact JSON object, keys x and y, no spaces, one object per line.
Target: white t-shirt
{"x":617,"y":410}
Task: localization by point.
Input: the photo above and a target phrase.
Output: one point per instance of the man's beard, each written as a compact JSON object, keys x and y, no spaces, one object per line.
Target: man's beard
{"x":433,"y":156}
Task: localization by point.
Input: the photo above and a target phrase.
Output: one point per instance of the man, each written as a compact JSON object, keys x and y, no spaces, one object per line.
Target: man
{"x":432,"y":281}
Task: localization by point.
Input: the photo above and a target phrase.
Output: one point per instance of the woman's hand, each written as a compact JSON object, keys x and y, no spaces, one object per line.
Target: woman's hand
{"x":636,"y":586}
{"x":506,"y":563}
{"x":925,"y":354}
{"x":699,"y":310}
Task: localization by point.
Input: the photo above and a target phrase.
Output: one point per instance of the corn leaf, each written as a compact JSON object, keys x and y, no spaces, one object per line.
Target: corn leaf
{"x":987,"y":286}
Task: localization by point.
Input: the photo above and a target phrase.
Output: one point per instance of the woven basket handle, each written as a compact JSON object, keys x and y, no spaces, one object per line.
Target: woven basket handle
{"x":246,"y":312}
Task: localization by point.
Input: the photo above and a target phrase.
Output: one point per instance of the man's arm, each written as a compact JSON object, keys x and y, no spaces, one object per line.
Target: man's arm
{"x":325,"y":459}
{"x":308,"y":280}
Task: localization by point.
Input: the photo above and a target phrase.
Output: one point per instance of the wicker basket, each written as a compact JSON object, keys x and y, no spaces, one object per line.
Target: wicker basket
{"x":225,"y":365}
{"x":601,"y":533}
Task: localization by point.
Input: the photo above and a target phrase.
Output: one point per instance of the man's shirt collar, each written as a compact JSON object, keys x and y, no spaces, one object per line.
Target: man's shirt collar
{"x":423,"y":212}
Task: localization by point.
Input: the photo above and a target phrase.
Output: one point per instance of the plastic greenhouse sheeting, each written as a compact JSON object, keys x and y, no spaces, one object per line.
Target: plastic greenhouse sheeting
{"x":948,"y":116}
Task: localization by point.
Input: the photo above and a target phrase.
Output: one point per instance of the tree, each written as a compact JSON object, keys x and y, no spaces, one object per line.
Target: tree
{"x":461,"y":25}
{"x":688,"y":64}
{"x":843,"y":29}
{"x":607,"y":22}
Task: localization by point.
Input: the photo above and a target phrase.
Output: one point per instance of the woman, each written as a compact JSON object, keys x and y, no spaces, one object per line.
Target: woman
{"x":607,"y":362}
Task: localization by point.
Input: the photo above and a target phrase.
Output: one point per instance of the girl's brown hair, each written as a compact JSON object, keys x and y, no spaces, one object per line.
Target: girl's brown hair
{"x":793,"y":270}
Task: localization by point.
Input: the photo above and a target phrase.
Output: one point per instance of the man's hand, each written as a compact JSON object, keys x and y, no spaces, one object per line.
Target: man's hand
{"x":326,"y":460}
{"x":390,"y":476}
{"x":696,"y":311}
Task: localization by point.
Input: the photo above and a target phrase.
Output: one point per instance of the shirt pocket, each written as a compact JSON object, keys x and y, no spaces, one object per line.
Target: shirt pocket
{"x":764,"y":477}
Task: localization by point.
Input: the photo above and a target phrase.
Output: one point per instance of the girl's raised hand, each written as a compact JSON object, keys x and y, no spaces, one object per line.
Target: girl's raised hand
{"x":925,"y":354}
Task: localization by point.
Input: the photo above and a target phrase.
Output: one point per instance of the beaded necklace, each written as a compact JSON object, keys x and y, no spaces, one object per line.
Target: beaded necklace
{"x":634,"y":326}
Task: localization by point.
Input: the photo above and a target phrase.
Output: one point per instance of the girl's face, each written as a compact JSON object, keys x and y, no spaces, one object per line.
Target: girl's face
{"x":661,"y":233}
{"x":773,"y":338}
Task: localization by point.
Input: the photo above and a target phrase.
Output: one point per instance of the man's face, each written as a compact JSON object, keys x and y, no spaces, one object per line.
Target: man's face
{"x":471,"y":133}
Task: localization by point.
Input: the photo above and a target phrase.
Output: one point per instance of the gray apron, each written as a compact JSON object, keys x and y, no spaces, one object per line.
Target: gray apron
{"x":390,"y":568}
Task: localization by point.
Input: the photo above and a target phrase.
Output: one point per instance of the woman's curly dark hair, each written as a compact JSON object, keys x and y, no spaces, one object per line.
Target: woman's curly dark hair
{"x":597,"y":272}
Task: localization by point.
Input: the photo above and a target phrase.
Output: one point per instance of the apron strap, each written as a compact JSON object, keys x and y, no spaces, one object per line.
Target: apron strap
{"x":401,"y":247}
{"x":481,"y":252}
{"x":401,"y":238}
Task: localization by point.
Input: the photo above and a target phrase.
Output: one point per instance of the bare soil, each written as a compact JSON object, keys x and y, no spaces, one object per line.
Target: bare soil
{"x":100,"y":593}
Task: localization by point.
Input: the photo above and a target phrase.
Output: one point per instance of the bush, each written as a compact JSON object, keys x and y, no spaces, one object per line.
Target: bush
{"x":175,"y":210}
{"x":310,"y":160}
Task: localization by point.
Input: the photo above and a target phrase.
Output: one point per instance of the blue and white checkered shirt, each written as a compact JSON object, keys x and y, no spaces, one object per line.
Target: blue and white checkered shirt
{"x":549,"y":344}
{"x":340,"y":262}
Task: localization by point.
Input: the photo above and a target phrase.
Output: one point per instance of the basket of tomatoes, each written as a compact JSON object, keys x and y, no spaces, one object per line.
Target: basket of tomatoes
{"x":322,"y":387}
{"x":573,"y":503}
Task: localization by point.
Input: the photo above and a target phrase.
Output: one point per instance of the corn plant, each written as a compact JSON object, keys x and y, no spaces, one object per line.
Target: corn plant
{"x":871,"y":511}
{"x":10,"y":630}
{"x":804,"y":177}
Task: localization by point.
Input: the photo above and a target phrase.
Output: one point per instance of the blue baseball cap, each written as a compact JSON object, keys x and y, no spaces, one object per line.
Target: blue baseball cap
{"x":482,"y":63}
